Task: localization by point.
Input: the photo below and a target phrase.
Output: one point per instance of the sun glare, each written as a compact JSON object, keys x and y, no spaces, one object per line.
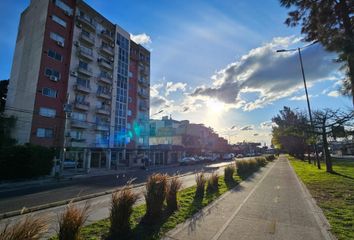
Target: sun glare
{"x":215,"y":105}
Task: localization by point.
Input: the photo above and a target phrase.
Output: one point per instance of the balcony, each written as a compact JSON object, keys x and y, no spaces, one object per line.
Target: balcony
{"x":107,"y":35}
{"x":144,"y":71}
{"x":86,"y":22}
{"x":82,"y":105}
{"x":82,"y":88}
{"x":87,"y":38}
{"x":143,"y":82}
{"x":102,"y":127}
{"x":105,"y":64}
{"x":104,"y":95}
{"x":107,"y":50}
{"x":143,"y":94}
{"x":84,"y":53}
{"x":78,"y":124}
{"x":84,"y":71}
{"x":103,"y":110}
{"x":105,"y":78}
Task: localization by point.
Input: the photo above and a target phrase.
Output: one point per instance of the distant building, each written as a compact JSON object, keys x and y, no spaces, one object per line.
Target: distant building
{"x":182,"y":138}
{"x":70,"y":58}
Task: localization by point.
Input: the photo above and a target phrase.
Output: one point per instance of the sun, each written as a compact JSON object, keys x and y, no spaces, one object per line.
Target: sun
{"x":214,"y":105}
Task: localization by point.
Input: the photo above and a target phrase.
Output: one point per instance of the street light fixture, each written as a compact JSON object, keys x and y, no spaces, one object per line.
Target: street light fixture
{"x":305,"y":86}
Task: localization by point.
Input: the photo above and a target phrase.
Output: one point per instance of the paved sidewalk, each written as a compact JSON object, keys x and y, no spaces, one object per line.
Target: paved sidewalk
{"x":271,"y":205}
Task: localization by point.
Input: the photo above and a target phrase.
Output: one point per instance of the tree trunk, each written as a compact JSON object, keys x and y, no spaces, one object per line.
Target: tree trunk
{"x":326,"y":153}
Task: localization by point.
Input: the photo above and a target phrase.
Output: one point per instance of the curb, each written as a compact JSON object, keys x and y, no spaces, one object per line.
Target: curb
{"x":64,"y":202}
{"x":321,"y":219}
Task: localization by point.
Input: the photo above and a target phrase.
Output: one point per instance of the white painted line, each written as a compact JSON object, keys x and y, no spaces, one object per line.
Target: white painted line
{"x":218,"y":234}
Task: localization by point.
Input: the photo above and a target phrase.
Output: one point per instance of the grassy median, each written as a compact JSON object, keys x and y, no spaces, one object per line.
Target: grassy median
{"x":334,"y":193}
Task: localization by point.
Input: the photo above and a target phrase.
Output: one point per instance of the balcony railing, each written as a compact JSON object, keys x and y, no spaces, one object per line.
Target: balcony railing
{"x":87,"y":38}
{"x":86,"y":71}
{"x":78,"y":124}
{"x":143,"y":82}
{"x":107,"y":35}
{"x":82,"y":88}
{"x":82,"y":105}
{"x":102,"y":127}
{"x":105,"y":64}
{"x":103,"y":94}
{"x":105,"y":78}
{"x":87,"y":22}
{"x":107,"y":50}
{"x":103,"y":110}
{"x":85,"y":53}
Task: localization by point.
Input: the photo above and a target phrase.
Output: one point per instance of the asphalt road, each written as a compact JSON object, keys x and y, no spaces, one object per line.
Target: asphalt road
{"x":28,"y":197}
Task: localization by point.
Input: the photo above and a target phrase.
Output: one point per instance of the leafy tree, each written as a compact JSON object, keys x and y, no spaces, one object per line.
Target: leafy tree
{"x":3,"y":94}
{"x":329,"y":122}
{"x":291,"y":132}
{"x":331,"y":22}
{"x":6,"y":124}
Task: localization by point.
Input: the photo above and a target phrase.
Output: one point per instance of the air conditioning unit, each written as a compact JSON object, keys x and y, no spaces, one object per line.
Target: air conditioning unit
{"x":74,"y":74}
{"x":77,"y":44}
{"x":79,"y":25}
{"x":112,"y":45}
{"x":61,"y":44}
{"x":111,"y":59}
{"x":54,"y":78}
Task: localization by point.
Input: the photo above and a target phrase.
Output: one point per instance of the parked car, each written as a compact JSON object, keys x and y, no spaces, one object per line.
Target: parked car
{"x":228,"y":156}
{"x":239,"y":155}
{"x":69,"y":163}
{"x":187,"y":161}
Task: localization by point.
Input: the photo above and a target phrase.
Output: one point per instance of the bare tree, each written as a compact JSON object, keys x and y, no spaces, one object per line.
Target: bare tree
{"x":325,"y":121}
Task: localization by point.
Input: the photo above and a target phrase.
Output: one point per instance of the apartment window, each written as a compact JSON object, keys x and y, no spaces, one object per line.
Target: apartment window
{"x":57,"y":37}
{"x":49,"y":92}
{"x":78,"y":116}
{"x":83,"y":82}
{"x":80,"y":98}
{"x":49,"y":72}
{"x":130,"y":74}
{"x":58,"y":20}
{"x":129,"y":112}
{"x":47,"y":112}
{"x":64,"y":7}
{"x":53,"y":54}
{"x":45,"y":132}
{"x":83,"y":65}
{"x":76,"y":134}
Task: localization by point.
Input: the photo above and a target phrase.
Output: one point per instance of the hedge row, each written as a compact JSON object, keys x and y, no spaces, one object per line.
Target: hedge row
{"x":247,"y":167}
{"x":25,"y":161}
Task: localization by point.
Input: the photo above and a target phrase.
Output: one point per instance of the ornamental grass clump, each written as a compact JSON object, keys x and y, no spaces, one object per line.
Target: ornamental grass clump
{"x":261,"y":161}
{"x":229,"y":173}
{"x":200,"y":180}
{"x":121,"y":210}
{"x":29,"y":228}
{"x":155,"y":195}
{"x":270,"y":158}
{"x":213,"y":183}
{"x":246,"y":167}
{"x":71,"y":221}
{"x":174,"y":186}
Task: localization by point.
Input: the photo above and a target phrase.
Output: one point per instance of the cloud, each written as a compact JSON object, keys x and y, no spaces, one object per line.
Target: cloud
{"x":270,"y":75}
{"x":173,"y":87}
{"x":142,"y":38}
{"x":247,"y":128}
{"x":266,"y":125}
{"x":334,"y":94}
{"x":302,"y":97}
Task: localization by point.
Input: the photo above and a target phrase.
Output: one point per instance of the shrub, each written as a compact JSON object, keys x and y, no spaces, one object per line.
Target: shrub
{"x":172,"y":189}
{"x":27,"y":161}
{"x":261,"y":161}
{"x":121,"y":210}
{"x":246,"y":167}
{"x":228,"y":173}
{"x":200,"y":180}
{"x":156,"y":187}
{"x":213,"y":182}
{"x":29,"y":228}
{"x":270,"y":158}
{"x":71,"y":222}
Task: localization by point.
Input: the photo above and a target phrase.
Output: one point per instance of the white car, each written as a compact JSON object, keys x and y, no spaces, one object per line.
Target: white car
{"x":228,"y":156}
{"x":187,"y":161}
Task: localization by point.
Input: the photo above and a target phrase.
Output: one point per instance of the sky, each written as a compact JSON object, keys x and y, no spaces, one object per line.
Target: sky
{"x":214,"y":62}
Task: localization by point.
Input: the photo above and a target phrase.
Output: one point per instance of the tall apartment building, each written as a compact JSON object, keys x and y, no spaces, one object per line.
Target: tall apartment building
{"x":76,"y":83}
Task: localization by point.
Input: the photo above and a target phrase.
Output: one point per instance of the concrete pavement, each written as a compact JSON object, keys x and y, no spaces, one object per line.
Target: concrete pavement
{"x":273,"y":204}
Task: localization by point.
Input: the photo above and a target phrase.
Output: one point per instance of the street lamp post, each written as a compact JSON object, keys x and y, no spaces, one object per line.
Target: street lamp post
{"x":306,"y":93}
